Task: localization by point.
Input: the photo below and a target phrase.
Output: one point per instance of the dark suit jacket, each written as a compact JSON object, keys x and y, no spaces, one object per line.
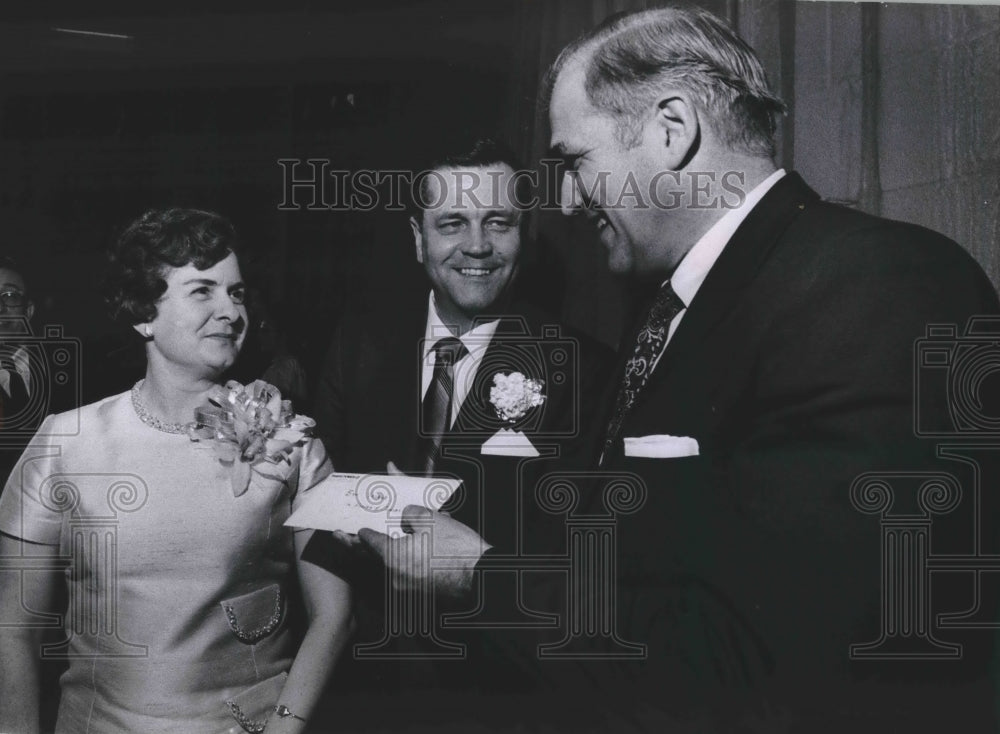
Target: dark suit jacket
{"x":367,"y":404}
{"x":748,"y":572}
{"x":17,"y":428}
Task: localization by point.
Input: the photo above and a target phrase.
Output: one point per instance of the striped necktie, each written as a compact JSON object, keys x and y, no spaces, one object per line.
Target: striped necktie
{"x":435,"y":411}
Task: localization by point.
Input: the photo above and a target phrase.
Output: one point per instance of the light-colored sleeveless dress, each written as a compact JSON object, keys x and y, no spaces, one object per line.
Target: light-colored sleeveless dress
{"x":180,"y":593}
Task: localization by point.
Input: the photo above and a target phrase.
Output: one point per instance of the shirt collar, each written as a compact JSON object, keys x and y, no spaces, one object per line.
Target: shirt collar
{"x":436,"y":329}
{"x":693,"y":269}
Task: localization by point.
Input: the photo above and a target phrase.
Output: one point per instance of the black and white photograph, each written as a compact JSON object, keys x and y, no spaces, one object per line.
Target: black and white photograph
{"x":500,"y":367}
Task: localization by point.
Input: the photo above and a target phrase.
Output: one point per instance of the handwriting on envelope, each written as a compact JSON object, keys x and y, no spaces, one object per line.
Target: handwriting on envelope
{"x":349,"y":502}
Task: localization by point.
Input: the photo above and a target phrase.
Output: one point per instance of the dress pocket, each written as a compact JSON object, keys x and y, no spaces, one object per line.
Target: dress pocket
{"x":254,"y":616}
{"x":251,"y":707}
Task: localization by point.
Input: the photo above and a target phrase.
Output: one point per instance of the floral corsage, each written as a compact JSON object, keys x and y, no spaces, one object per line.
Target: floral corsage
{"x":249,"y":428}
{"x":514,"y":395}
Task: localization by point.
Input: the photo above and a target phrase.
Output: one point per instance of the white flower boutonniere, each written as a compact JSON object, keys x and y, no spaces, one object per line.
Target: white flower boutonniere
{"x":248,"y":426}
{"x":514,"y":395}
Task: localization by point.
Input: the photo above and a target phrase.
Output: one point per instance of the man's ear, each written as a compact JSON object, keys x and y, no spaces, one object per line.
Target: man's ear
{"x":30,"y":310}
{"x":678,"y":128}
{"x":418,"y":239}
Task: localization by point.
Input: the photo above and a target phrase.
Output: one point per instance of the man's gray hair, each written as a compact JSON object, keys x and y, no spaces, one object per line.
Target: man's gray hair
{"x":630,"y":58}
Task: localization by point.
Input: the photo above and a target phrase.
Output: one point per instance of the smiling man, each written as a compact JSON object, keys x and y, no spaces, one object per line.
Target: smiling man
{"x":381,"y":396}
{"x":467,"y":236}
{"x":410,"y":382}
{"x":774,"y":367}
{"x":403,"y":381}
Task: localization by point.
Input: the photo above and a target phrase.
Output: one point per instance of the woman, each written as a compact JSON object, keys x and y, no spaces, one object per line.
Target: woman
{"x":181,"y":582}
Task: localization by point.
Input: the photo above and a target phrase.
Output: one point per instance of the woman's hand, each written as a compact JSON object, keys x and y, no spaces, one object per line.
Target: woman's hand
{"x":328,"y":604}
{"x":20,"y":645}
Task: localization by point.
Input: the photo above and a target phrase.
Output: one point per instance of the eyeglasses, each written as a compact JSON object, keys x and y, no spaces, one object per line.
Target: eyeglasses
{"x":12,"y":299}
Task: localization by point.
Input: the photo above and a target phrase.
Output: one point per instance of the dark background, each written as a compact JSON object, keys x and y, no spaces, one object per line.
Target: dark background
{"x":894,"y":110}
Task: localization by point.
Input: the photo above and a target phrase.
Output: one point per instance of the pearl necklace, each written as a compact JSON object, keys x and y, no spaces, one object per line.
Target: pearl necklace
{"x":151,"y":420}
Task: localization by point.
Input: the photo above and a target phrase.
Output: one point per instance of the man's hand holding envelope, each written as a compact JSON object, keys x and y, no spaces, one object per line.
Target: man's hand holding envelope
{"x":394,"y":516}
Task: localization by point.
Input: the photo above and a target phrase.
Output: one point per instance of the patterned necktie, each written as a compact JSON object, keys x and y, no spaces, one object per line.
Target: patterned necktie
{"x":649,"y":344}
{"x":435,"y":412}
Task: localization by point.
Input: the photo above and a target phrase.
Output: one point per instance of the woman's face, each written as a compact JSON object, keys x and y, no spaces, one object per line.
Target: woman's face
{"x":200,"y":320}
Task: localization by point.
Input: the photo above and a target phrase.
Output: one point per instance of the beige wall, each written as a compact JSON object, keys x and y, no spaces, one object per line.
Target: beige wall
{"x":896,"y":110}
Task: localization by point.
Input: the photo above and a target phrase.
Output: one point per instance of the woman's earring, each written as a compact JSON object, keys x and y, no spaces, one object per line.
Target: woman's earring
{"x":148,"y":331}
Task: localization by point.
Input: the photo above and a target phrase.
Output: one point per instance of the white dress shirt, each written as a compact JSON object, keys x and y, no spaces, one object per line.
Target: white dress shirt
{"x":693,"y":269}
{"x":476,"y":341}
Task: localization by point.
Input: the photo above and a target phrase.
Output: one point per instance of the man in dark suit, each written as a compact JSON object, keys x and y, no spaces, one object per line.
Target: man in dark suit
{"x":774,"y":365}
{"x":17,"y":419}
{"x":382,"y":371}
{"x":25,"y":398}
{"x":422,"y":383}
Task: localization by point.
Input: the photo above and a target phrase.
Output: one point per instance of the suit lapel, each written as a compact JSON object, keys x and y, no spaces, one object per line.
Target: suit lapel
{"x":737,"y":266}
{"x":396,"y":381}
{"x":477,"y":414}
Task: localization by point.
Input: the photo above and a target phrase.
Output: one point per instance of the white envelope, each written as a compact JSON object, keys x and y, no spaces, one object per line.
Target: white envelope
{"x":661,"y":447}
{"x":350,"y":502}
{"x":508,"y":443}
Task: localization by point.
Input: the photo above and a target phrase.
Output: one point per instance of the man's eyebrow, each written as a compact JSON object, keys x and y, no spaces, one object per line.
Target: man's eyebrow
{"x":494,"y":212}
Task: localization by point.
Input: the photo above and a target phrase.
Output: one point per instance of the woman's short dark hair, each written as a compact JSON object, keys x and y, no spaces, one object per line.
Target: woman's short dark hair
{"x":158,"y":240}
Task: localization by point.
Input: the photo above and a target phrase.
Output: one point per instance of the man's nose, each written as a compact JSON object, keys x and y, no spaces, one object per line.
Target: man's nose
{"x":478,"y":243}
{"x":569,"y":196}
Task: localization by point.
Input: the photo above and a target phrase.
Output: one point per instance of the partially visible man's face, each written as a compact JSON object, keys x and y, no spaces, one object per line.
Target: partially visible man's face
{"x":13,"y":291}
{"x":623,"y":192}
{"x":469,"y":240}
